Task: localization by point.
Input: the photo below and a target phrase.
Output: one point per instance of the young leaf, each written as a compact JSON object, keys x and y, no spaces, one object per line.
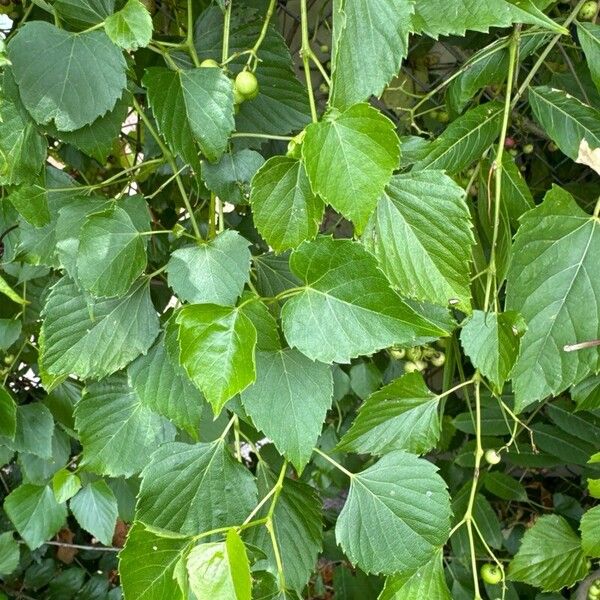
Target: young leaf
{"x":212,"y":272}
{"x":49,"y":63}
{"x":565,"y":119}
{"x":297,"y":526}
{"x":211,"y":335}
{"x":8,"y":414}
{"x":289,"y":401}
{"x":554,"y":276}
{"x":371,"y":38}
{"x":344,"y":286}
{"x":465,"y":139}
{"x":93,"y":339}
{"x":35,"y":513}
{"x":65,"y":485}
{"x":181,"y":481}
{"x":9,"y":553}
{"x":589,"y":527}
{"x":403,"y":415}
{"x":220,"y":570}
{"x":116,"y":431}
{"x":95,"y":508}
{"x":193,"y":106}
{"x":285,"y":210}
{"x":421,"y":236}
{"x":491,"y":341}
{"x":396,"y":517}
{"x":349,"y":159}
{"x":550,"y":556}
{"x":111,"y":253}
{"x":131,"y":27}
{"x":152,"y":578}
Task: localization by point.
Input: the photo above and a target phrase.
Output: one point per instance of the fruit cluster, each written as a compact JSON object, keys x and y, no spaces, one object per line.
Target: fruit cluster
{"x":245,"y":85}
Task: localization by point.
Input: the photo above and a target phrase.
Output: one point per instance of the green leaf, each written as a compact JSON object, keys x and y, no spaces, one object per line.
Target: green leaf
{"x":464,"y":140}
{"x":49,"y":63}
{"x":35,"y":513}
{"x":7,"y":291}
{"x":95,"y":508}
{"x":402,"y":505}
{"x":193,"y":106}
{"x":181,"y":482}
{"x":403,"y":415}
{"x":289,"y":401}
{"x":213,"y":272}
{"x":10,"y":330}
{"x":111,"y":255}
{"x":65,"y":485}
{"x":284,"y":208}
{"x":504,"y":486}
{"x":282,"y":103}
{"x":527,"y":11}
{"x":550,"y":556}
{"x":220,"y":570}
{"x":589,"y":527}
{"x":9,"y":553}
{"x":131,"y":27}
{"x":516,"y":195}
{"x":587,"y":394}
{"x":163,"y":386}
{"x":554,"y":284}
{"x":565,"y":119}
{"x":297,"y":526}
{"x":570,"y":449}
{"x":230,"y":177}
{"x":84,"y":12}
{"x":211,"y":335}
{"x":152,"y":578}
{"x":589,"y":38}
{"x":427,"y":582}
{"x":116,"y":431}
{"x":31,"y":201}
{"x":33,"y":432}
{"x":349,"y":159}
{"x":421,"y":236}
{"x":8,"y":414}
{"x":371,"y":39}
{"x":346,"y":307}
{"x":491,"y":341}
{"x":95,"y":338}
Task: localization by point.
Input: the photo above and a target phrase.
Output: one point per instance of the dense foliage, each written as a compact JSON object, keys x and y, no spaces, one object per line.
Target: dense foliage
{"x":300,"y":299}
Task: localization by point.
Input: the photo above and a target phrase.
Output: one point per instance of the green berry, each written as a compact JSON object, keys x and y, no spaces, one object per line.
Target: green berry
{"x":588,"y":11}
{"x":237,"y":97}
{"x":491,"y":574}
{"x":246,"y":84}
{"x":442,"y":116}
{"x":324,"y":48}
{"x":438,"y":359}
{"x":492,"y":457}
{"x":414,"y":354}
{"x":397,"y":353}
{"x":210,"y":63}
{"x":410,"y":367}
{"x":528,"y":149}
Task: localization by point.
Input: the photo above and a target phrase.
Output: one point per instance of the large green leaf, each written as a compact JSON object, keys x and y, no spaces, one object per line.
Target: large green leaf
{"x":116,"y":431}
{"x":84,"y":13}
{"x":220,"y":570}
{"x":130,"y":27}
{"x":427,"y":582}
{"x":589,"y":38}
{"x":284,"y":208}
{"x":212,"y":335}
{"x":289,"y":401}
{"x":421,"y":236}
{"x":297,"y":526}
{"x":182,"y":482}
{"x":403,"y":415}
{"x":33,"y":432}
{"x":349,"y":159}
{"x":95,"y":338}
{"x":95,"y":508}
{"x":164,"y":387}
{"x":491,"y":341}
{"x":192,"y":106}
{"x":346,"y":307}
{"x":554,"y":284}
{"x":565,"y":119}
{"x":550,"y":556}
{"x":31,"y":201}
{"x":35,"y":513}
{"x":111,"y":255}
{"x":212,"y":272}
{"x":396,"y":517}
{"x":8,"y":414}
{"x":590,"y":526}
{"x":50,"y":63}
{"x":371,"y":39}
{"x":9,"y":553}
{"x":153,"y":576}
{"x":464,"y":140}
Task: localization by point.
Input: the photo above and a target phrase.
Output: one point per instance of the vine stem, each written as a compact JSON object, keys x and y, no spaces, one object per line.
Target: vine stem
{"x":253,"y":52}
{"x":269,"y":526}
{"x":497,"y":165}
{"x":169,"y":157}
{"x":334,"y":462}
{"x":305,"y":52}
{"x":597,"y":209}
{"x":78,"y":546}
{"x":189,"y":41}
{"x":226,"y":28}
